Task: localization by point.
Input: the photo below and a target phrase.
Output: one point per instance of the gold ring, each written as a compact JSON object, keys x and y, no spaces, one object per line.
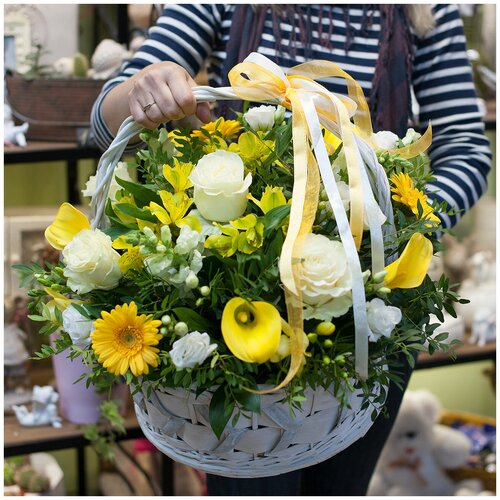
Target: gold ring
{"x":147,"y":106}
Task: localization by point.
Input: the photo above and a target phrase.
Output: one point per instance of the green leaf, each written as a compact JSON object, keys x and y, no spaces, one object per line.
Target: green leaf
{"x":36,"y":317}
{"x":142,"y":194}
{"x":441,"y":336}
{"x":133,"y":211}
{"x":192,"y":319}
{"x":115,"y":232}
{"x":219,"y":411}
{"x":274,"y":217}
{"x":248,"y":400}
{"x":110,"y":213}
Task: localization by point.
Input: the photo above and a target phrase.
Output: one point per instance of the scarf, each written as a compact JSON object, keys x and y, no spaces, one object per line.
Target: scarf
{"x":390,"y":96}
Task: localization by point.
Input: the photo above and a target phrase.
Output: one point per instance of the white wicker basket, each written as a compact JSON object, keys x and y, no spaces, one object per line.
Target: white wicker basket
{"x":270,"y":443}
{"x":266,"y":444}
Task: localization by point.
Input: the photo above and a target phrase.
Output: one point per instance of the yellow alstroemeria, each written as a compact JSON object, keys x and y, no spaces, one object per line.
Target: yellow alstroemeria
{"x":131,"y":258}
{"x":126,"y":219}
{"x":178,"y":175}
{"x":68,"y":223}
{"x":225,"y":244}
{"x":409,"y":270}
{"x":271,"y":198}
{"x":174,"y":207}
{"x":59,"y":300}
{"x":252,"y":148}
{"x":251,"y":330}
{"x":252,"y":233}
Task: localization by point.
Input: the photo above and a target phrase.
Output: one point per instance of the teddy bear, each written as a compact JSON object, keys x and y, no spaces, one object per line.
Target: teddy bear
{"x":418,"y":451}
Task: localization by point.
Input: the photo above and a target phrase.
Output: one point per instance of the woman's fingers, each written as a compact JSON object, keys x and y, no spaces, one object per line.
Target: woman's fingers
{"x":161,"y":93}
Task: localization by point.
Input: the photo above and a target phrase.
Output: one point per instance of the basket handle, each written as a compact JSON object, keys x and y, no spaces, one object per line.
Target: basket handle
{"x":127,"y":131}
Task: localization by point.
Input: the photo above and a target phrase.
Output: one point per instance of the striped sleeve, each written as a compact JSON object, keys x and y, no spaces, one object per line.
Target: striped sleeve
{"x":184,"y":34}
{"x":443,"y":84}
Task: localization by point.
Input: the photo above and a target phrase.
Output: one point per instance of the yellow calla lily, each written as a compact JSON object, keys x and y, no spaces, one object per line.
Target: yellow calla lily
{"x":251,"y":330}
{"x":409,"y":270}
{"x":68,"y":223}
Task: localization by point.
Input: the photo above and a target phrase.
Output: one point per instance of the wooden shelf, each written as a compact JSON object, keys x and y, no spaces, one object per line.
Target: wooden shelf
{"x":465,"y":353}
{"x":19,"y":440}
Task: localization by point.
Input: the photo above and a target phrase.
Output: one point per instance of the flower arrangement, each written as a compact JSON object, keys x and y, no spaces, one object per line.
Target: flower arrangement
{"x":183,"y":287}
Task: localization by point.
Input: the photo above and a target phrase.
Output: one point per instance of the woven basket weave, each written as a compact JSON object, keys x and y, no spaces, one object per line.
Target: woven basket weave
{"x":266,"y":444}
{"x":259,"y":445}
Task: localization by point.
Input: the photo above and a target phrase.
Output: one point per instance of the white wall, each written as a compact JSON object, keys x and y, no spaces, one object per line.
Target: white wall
{"x":62,"y":30}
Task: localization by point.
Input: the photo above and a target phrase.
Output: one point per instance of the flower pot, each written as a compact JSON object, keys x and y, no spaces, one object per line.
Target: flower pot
{"x":77,"y":403}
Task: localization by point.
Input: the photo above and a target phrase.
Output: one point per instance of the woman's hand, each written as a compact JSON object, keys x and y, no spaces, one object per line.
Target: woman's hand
{"x":157,"y":94}
{"x":161,"y":93}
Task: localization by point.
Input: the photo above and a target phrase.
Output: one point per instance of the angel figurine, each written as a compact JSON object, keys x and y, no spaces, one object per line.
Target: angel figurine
{"x":44,"y":408}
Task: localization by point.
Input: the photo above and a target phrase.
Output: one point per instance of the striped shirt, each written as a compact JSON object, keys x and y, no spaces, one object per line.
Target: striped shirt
{"x":195,"y":35}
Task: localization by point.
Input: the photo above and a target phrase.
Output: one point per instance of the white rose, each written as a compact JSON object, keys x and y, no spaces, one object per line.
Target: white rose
{"x":77,"y":326}
{"x":326,"y":281}
{"x":261,"y":117}
{"x":386,"y":139}
{"x":220,"y":191}
{"x":410,"y":137}
{"x":381,"y":318}
{"x":121,"y":171}
{"x":191,"y":350}
{"x":91,"y":262}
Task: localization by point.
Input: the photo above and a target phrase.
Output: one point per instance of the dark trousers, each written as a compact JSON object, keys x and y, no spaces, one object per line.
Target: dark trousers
{"x":346,"y":474}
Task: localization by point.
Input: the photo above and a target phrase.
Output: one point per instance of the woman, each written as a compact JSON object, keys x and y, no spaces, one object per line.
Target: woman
{"x":393,"y":52}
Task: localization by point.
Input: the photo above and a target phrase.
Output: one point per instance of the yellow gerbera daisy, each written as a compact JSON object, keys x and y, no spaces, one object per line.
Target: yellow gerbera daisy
{"x":122,"y":340}
{"x":227,"y":128}
{"x":406,"y":193}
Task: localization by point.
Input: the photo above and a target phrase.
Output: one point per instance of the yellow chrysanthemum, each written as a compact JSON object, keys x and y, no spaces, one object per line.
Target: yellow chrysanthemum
{"x":227,"y":128}
{"x":123,"y":339}
{"x":406,"y":193}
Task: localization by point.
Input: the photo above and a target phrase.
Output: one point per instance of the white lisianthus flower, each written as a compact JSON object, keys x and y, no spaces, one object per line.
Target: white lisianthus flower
{"x":261,"y":117}
{"x":121,"y":171}
{"x":325,"y":277}
{"x":386,"y":139}
{"x":191,"y":350}
{"x":188,"y":240}
{"x":77,"y":326}
{"x":410,"y":137}
{"x":381,"y":318}
{"x":159,"y":264}
{"x":90,"y":262}
{"x":220,"y":188}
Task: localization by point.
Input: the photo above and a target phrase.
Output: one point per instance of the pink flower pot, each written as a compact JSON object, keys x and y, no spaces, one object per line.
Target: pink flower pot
{"x":77,"y":403}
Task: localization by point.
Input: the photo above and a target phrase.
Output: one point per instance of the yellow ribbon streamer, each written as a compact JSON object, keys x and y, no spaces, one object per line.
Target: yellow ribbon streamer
{"x":417,"y":147}
{"x":258,"y":79}
{"x":294,"y":327}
